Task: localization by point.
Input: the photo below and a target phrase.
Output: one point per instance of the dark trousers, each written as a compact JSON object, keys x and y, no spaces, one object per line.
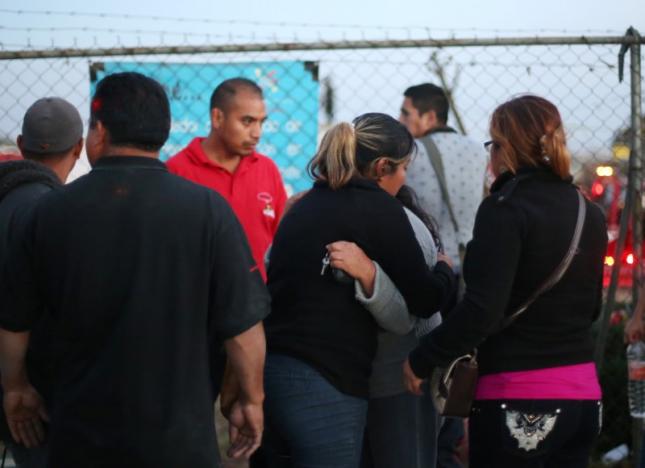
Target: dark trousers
{"x":533,"y":433}
{"x":401,"y":432}
{"x":24,"y":457}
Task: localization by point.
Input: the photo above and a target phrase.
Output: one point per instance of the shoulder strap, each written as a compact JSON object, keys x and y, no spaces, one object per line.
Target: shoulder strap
{"x":437,"y":164}
{"x":561,"y":269}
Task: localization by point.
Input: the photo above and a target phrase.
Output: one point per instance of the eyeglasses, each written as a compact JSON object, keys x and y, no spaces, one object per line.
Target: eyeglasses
{"x":491,"y":145}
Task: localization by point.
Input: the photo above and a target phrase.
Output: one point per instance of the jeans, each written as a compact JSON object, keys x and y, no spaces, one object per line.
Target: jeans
{"x":309,"y":423}
{"x":401,"y":432}
{"x":533,"y":433}
{"x":450,"y":436}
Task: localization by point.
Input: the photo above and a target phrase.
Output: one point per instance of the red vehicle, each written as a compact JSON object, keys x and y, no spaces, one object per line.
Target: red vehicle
{"x":607,"y":190}
{"x":10,"y":157}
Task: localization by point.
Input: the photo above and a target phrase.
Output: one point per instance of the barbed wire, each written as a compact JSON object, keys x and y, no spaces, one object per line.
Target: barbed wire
{"x":157,"y":32}
{"x":304,"y":25}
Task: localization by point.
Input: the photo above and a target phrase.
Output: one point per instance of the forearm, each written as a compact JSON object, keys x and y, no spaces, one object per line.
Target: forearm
{"x":13,"y":348}
{"x":246,"y":354}
{"x":366,"y":279}
{"x":386,"y":304}
{"x":462,"y":331}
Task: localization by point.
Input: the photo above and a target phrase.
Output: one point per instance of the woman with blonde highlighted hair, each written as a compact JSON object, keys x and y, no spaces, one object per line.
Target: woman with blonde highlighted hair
{"x":321,"y":341}
{"x":538,"y":401}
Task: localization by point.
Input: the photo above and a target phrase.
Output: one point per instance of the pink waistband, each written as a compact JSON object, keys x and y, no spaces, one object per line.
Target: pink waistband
{"x":576,"y":382}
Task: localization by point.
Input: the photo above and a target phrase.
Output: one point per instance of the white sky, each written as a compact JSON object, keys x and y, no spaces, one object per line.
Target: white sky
{"x":241,"y":21}
{"x":439,"y":17}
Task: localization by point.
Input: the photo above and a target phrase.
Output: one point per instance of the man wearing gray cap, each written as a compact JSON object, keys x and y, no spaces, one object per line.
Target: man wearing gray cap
{"x":51,"y":142}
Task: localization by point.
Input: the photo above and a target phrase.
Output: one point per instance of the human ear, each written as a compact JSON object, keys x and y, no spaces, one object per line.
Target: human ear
{"x":429,"y":120}
{"x":217,"y":117}
{"x":381,"y":167}
{"x":78,"y":147}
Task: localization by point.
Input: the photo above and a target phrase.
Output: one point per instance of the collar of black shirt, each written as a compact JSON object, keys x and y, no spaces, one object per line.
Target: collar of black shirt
{"x":129,"y":162}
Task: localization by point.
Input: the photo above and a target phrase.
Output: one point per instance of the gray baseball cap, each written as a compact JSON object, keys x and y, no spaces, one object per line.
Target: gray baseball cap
{"x":51,"y":125}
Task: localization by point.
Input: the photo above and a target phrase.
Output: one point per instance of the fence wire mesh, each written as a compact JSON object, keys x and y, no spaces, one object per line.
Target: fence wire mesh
{"x":311,"y":85}
{"x":581,"y":79}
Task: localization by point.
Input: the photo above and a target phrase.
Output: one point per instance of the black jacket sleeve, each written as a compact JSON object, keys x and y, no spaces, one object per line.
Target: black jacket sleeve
{"x":490,"y":265}
{"x":425,"y":290}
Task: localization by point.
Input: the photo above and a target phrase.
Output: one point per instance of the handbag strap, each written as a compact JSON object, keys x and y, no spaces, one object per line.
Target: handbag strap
{"x":437,"y":164}
{"x":558,"y":273}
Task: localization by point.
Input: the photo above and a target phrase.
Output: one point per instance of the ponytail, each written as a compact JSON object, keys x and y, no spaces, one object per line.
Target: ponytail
{"x":556,"y":154}
{"x":350,"y":150}
{"x":335,"y":160}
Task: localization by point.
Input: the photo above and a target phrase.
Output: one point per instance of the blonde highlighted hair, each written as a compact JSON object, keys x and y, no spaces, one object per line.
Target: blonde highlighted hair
{"x":350,"y":150}
{"x":527,"y":131}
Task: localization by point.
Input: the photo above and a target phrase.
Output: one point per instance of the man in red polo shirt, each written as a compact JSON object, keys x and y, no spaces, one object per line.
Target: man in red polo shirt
{"x":226,"y":161}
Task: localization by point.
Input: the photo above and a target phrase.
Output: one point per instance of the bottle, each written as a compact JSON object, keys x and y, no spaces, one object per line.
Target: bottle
{"x":636,"y":376}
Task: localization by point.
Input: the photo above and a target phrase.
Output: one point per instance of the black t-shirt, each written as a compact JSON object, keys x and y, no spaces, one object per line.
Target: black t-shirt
{"x":315,"y":318}
{"x":144,"y":274}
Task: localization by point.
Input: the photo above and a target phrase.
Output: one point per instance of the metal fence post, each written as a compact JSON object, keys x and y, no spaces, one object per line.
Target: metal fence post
{"x":636,"y":113}
{"x":633,"y":200}
{"x":636,"y":159}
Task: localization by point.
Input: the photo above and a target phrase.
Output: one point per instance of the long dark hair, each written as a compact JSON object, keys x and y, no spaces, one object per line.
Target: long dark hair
{"x":409,"y":199}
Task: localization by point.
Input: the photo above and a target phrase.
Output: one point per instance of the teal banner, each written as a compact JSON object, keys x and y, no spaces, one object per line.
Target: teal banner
{"x":290,"y":90}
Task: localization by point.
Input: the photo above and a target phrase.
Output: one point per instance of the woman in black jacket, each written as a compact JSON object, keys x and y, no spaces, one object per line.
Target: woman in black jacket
{"x":538,"y":399}
{"x":320,"y":340}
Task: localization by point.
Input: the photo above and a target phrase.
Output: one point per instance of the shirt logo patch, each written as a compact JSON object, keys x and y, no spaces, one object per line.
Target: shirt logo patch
{"x":268,"y":211}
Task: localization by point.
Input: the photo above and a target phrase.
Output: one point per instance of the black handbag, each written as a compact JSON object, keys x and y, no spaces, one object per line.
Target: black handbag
{"x":452,"y":388}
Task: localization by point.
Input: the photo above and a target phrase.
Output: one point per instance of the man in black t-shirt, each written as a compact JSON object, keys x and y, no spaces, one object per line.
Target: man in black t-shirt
{"x":143,"y":274}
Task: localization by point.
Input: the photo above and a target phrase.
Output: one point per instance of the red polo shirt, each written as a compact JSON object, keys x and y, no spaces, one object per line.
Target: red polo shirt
{"x":255,"y":191}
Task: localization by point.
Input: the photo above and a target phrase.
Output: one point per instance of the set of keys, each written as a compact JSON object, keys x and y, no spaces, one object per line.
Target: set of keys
{"x":339,"y":275}
{"x":325,"y":264}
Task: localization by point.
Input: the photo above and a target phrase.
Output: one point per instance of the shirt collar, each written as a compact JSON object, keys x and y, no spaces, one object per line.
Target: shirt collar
{"x":128,"y":162}
{"x":444,"y":129}
{"x":198,"y":155}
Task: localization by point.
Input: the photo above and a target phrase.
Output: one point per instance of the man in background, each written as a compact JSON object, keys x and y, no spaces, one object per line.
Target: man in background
{"x":460,"y":170}
{"x":227,"y":162}
{"x":50,"y":144}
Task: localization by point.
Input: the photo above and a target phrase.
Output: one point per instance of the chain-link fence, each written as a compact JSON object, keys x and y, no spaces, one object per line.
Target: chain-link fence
{"x":310,"y":85}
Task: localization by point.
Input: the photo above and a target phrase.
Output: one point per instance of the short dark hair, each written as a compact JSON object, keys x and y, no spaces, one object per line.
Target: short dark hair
{"x":226,"y":91}
{"x":134,"y":109}
{"x":426,"y":97}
